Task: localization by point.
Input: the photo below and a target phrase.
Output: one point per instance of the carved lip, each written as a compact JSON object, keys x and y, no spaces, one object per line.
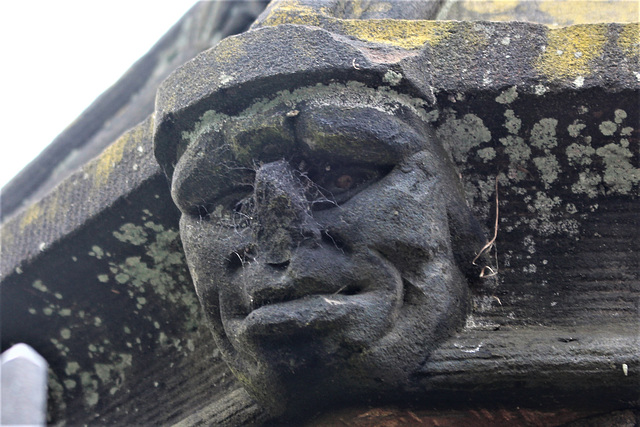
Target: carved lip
{"x":315,"y":311}
{"x":278,"y":293}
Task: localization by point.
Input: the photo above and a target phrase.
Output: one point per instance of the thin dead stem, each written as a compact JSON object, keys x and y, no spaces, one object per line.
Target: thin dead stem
{"x":490,"y":243}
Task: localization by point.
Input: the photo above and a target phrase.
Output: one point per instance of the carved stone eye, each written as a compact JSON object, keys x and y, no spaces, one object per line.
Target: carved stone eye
{"x":345,"y":182}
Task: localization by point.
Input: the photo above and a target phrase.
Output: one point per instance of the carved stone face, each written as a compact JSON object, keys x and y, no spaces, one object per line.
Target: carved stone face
{"x":318,"y":230}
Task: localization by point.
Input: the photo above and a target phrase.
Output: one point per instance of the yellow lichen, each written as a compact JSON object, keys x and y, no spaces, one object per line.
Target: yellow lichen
{"x":570,"y":12}
{"x":570,"y":50}
{"x":106,"y":162}
{"x":291,"y":12}
{"x":230,"y":48}
{"x":491,"y":6}
{"x":31,"y":214}
{"x":406,"y":34}
{"x":400,"y":33}
{"x":629,"y":40}
{"x":51,"y":205}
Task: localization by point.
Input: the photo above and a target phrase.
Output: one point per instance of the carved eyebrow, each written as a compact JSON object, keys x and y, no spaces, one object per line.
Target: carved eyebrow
{"x":218,"y":162}
{"x":203,"y":172}
{"x":363,"y":134}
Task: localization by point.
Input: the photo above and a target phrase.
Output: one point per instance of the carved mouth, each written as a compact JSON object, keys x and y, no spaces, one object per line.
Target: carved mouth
{"x":322,"y":313}
{"x":279,"y":293}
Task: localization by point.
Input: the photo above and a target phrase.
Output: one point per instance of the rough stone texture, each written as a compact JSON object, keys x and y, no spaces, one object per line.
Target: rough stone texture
{"x":363,"y":9}
{"x":549,"y":12}
{"x":559,"y":127}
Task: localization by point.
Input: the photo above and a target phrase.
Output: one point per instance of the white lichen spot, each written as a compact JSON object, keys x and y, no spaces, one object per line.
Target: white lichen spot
{"x":122,"y":278}
{"x":529,"y":244}
{"x":65,"y":333}
{"x":96,"y":251}
{"x":103,"y":278}
{"x":103,"y":371}
{"x":508,"y":96}
{"x":72,"y":368}
{"x":579,"y":154}
{"x":548,"y":220}
{"x":516,"y":149}
{"x":530,"y":269}
{"x":620,"y":115}
{"x":40,"y":286}
{"x":625,"y":369}
{"x":97,"y":321}
{"x":487,"y":154}
{"x":512,"y":123}
{"x":608,"y":128}
{"x":637,"y":74}
{"x":162,"y":338}
{"x":158,"y":228}
{"x":65,"y":312}
{"x":225,"y":78}
{"x":619,"y":174}
{"x":626,"y":131}
{"x":392,"y":78}
{"x":571,"y":208}
{"x":91,"y":398}
{"x":543,"y":134}
{"x":540,"y":90}
{"x":48,"y":311}
{"x":131,"y":233}
{"x":58,"y":295}
{"x":505,"y":41}
{"x":549,"y":169}
{"x":460,"y":135}
{"x":69,"y":384}
{"x":588,"y":182}
{"x":575,"y":128}
{"x":579,"y":81}
{"x":127,"y":330}
{"x":74,"y":258}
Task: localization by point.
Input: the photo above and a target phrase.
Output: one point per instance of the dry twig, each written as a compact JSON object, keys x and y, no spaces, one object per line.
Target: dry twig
{"x":490,"y":243}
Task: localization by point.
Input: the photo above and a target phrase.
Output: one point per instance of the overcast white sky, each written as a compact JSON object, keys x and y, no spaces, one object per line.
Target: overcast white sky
{"x":58,"y":56}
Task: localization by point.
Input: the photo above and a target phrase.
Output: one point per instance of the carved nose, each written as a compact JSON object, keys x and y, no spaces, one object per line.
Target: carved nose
{"x":283,"y":213}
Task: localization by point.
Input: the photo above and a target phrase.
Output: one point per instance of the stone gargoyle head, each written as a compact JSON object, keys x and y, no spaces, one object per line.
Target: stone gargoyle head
{"x":324,"y":226}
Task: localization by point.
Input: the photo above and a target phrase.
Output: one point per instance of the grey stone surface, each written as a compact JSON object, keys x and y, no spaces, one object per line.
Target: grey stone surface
{"x":23,"y":386}
{"x":559,"y":131}
{"x":521,"y":135}
{"x":335,"y":273}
